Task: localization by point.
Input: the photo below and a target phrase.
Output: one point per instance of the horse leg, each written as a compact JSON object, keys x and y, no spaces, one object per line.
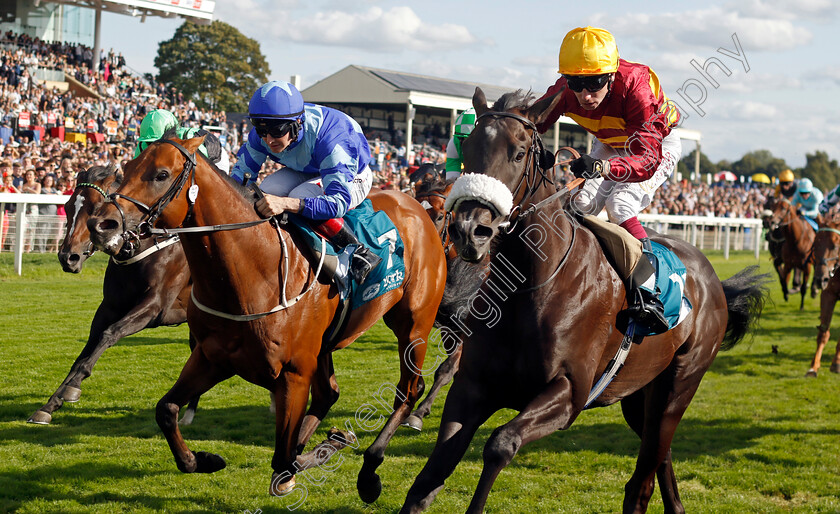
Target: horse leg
{"x":465,"y":410}
{"x":835,"y":363}
{"x":189,"y":413}
{"x":324,"y":395}
{"x":197,"y":377}
{"x":548,"y":412}
{"x":633,"y":408}
{"x":106,"y":329}
{"x":443,"y":375}
{"x":665,"y":400}
{"x":827,"y":302}
{"x":803,"y":290}
{"x":783,"y":278}
{"x":291,"y":392}
{"x":411,"y":325}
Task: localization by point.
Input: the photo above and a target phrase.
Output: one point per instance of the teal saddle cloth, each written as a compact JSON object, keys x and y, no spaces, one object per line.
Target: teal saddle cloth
{"x":376,"y":231}
{"x":670,"y":285}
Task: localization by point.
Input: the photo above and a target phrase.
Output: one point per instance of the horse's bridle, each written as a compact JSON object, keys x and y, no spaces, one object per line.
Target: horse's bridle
{"x":90,"y":248}
{"x":534,"y":176}
{"x":145,"y":227}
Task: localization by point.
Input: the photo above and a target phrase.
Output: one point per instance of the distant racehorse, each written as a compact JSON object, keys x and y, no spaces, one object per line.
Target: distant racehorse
{"x":826,"y":257}
{"x":798,"y":237}
{"x":544,"y":329}
{"x":149,"y":290}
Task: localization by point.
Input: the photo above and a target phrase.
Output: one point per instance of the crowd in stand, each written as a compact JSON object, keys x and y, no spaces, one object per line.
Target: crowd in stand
{"x":124,"y":99}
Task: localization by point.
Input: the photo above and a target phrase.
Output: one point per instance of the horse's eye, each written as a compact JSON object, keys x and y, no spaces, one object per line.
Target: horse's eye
{"x":162,"y":175}
{"x":520,"y":156}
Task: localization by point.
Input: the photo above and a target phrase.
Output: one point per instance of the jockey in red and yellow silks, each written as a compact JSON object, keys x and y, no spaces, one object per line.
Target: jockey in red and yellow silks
{"x":636,"y":118}
{"x":622,"y":104}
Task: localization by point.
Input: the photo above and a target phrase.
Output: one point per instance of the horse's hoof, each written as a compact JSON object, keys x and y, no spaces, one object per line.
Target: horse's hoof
{"x":40,"y":418}
{"x":187,"y":419}
{"x":835,"y":368}
{"x":208,"y":462}
{"x":278,"y":488}
{"x":370,"y":489}
{"x":71,"y":394}
{"x":812,"y":373}
{"x":414,"y":422}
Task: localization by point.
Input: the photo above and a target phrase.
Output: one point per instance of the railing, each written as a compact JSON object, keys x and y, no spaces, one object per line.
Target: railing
{"x":710,"y":232}
{"x":44,"y":232}
{"x":37,"y":232}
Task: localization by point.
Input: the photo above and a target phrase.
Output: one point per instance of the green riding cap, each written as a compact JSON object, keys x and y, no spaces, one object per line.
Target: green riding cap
{"x":156,"y":124}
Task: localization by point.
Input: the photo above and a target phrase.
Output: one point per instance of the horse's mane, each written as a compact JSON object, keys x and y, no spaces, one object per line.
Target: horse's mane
{"x":518,"y":100}
{"x":98,"y":173}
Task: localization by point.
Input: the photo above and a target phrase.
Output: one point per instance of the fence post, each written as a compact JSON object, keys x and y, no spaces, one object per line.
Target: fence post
{"x":726,"y":243}
{"x":20,"y":226}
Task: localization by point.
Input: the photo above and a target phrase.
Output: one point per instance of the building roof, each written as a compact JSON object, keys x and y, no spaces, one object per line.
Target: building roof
{"x":414,"y":82}
{"x":362,"y":84}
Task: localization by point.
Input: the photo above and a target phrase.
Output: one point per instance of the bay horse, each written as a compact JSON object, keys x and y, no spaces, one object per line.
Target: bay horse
{"x":826,"y":257}
{"x":550,"y":332}
{"x":147,"y":291}
{"x":798,"y":238}
{"x":241,"y":268}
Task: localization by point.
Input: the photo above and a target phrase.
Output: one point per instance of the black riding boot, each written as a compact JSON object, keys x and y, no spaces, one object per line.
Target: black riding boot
{"x":364,"y":260}
{"x":643,"y":306}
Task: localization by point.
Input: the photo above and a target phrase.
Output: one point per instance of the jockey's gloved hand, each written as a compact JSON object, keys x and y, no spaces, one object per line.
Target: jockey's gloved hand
{"x":589,"y":167}
{"x":798,"y":211}
{"x":546,"y":159}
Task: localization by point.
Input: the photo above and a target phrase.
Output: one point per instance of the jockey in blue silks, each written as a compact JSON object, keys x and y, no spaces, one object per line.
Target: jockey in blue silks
{"x":807,"y":199}
{"x":326,"y":171}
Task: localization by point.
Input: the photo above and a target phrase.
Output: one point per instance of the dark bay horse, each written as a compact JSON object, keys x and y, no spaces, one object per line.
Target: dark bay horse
{"x":543,"y":329}
{"x":798,"y":238}
{"x":258,"y":308}
{"x":432,"y":195}
{"x":826,"y":257}
{"x":146,"y":292}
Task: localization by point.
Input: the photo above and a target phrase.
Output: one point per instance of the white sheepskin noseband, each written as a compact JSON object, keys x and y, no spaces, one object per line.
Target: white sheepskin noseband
{"x":482,"y":188}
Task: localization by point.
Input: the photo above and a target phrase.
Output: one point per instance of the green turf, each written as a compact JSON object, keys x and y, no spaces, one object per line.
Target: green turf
{"x":758,"y":437}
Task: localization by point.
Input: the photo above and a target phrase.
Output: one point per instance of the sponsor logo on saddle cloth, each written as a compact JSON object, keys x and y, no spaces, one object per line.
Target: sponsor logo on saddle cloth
{"x":670,"y":284}
{"x":375,"y":230}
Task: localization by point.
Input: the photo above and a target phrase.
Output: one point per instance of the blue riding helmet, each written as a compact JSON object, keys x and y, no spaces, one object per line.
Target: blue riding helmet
{"x":805,"y":186}
{"x":276,"y":100}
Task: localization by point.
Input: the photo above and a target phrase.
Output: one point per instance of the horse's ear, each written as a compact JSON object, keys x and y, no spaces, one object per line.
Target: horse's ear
{"x":540,"y":110}
{"x":479,"y":102}
{"x":193,"y":144}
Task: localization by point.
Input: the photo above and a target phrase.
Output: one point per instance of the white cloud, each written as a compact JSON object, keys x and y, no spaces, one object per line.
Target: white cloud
{"x":787,"y":9}
{"x":711,"y":28}
{"x":376,"y":30}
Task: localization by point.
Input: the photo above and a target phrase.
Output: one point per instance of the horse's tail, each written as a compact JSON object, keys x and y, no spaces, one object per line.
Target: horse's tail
{"x":746,"y":292}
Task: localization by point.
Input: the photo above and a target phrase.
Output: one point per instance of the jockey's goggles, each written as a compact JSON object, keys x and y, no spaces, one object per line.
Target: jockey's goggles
{"x":591,"y":83}
{"x":276,"y":129}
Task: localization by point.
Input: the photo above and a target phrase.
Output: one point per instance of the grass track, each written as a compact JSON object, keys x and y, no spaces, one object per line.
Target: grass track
{"x":758,"y":437}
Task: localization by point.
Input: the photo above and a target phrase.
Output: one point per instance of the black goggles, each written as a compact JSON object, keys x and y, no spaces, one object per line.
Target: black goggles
{"x":275,"y":129}
{"x":591,"y":83}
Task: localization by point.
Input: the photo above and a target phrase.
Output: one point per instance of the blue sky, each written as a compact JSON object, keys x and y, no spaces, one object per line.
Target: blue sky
{"x":788,"y":101}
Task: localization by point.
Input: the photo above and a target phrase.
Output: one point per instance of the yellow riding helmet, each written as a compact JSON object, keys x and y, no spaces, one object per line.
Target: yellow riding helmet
{"x":588,"y":51}
{"x":786,"y":176}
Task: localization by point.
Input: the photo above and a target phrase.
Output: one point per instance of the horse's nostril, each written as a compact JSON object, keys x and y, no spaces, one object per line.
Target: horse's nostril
{"x":107,"y":225}
{"x":482,"y":232}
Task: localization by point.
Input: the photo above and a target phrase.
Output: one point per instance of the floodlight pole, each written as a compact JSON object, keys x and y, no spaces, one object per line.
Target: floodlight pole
{"x":97,"y":29}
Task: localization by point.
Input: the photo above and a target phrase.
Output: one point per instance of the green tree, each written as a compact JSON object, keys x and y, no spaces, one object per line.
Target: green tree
{"x":824,"y":173}
{"x":214,"y":65}
{"x":706,"y":166}
{"x":759,"y":161}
